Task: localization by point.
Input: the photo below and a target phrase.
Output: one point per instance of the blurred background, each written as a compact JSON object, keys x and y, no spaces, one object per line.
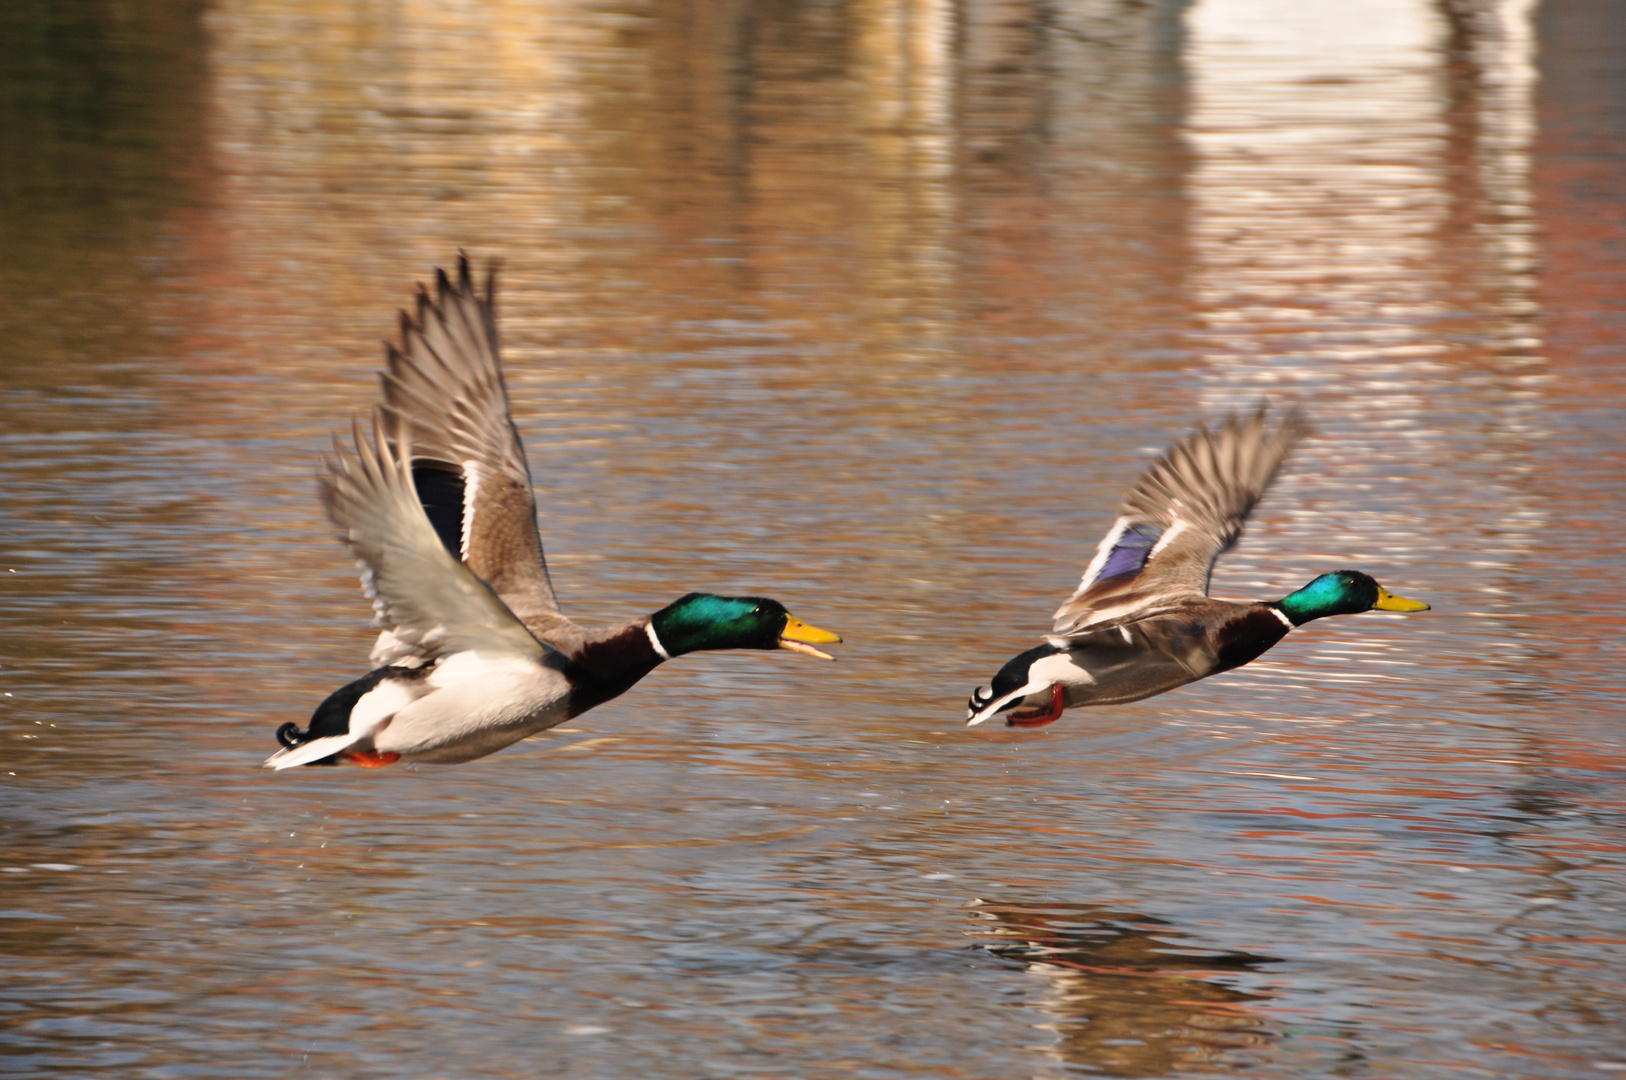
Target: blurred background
{"x":875,"y":307}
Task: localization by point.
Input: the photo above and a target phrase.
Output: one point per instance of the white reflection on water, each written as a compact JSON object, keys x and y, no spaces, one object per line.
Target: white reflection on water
{"x":1337,"y":247}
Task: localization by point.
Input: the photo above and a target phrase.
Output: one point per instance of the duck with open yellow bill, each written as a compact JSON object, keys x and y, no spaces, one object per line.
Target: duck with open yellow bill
{"x":437,"y":508}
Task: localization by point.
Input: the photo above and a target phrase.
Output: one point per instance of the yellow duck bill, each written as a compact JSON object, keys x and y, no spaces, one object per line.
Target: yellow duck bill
{"x":798,"y":636}
{"x":1388,"y":601}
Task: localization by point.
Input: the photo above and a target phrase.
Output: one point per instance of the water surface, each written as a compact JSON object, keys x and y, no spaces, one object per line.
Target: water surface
{"x":875,"y":308}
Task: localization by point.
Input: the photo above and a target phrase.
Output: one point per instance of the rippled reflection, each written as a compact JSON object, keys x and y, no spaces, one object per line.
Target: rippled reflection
{"x":1361,"y":180}
{"x":876,"y":307}
{"x":1128,"y":994}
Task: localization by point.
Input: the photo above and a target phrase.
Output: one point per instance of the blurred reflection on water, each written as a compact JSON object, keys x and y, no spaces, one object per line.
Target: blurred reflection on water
{"x":1130,"y":997}
{"x":874,"y":307}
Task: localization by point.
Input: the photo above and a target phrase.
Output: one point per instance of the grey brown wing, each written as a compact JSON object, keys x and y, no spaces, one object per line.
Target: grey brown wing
{"x":1182,"y":636}
{"x":445,"y":382}
{"x":427,"y":601}
{"x":1181,"y":515}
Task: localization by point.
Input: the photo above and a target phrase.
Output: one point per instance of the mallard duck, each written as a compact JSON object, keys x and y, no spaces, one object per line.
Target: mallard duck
{"x":437,"y":508}
{"x":1141,"y":621}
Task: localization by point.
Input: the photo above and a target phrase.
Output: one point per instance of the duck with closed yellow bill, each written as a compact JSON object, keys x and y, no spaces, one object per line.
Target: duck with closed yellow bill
{"x":437,"y":508}
{"x":1141,"y":621}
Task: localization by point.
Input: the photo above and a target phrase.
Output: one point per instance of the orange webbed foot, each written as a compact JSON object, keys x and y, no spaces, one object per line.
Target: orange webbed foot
{"x":1040,"y":717}
{"x":370,"y":759}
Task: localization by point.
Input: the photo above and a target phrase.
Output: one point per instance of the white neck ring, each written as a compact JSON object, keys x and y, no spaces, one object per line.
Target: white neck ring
{"x":649,"y":628}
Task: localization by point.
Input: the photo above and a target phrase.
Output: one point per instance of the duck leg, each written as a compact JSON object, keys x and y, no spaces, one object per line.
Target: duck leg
{"x":1040,"y":717}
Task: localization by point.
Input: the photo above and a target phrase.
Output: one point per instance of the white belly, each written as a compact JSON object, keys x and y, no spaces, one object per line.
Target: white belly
{"x":477,"y":706}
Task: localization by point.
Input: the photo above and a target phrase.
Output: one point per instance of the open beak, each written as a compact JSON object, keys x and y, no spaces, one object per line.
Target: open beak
{"x":797,"y":636}
{"x":1388,"y":601}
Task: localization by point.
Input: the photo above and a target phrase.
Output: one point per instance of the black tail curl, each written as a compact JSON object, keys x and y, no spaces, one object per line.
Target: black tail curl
{"x":981,"y":696}
{"x":291,"y":735}
{"x":332,"y":716}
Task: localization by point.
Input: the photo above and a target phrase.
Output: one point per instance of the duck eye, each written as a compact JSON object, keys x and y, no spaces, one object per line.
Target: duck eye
{"x":757,"y":610}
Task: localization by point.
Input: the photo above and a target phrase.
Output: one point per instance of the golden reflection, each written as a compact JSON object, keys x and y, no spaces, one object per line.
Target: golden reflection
{"x":904,"y":62}
{"x":695,"y":204}
{"x":1072,"y":171}
{"x":1127,"y":998}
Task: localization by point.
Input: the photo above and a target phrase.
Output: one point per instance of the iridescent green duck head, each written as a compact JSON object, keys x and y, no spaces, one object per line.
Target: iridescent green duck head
{"x":704,"y":621}
{"x":1342,"y":592}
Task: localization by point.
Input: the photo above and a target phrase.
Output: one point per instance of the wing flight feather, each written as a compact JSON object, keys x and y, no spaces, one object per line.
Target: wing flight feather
{"x":1182,"y":514}
{"x":445,"y":382}
{"x":427,"y":601}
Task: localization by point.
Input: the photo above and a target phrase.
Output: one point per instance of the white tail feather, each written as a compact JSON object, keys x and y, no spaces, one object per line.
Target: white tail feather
{"x":315,"y":750}
{"x":999,"y":703}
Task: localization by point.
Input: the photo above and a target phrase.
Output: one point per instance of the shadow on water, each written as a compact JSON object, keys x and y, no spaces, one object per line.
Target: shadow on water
{"x":1127,"y":994}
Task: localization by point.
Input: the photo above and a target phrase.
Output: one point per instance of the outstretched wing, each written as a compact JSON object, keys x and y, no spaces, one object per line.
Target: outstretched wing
{"x":1182,"y":514}
{"x":445,"y":383}
{"x":428,"y":601}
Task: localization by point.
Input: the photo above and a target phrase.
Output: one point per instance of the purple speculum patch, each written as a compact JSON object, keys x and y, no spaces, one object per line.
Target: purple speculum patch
{"x":1130,"y":552}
